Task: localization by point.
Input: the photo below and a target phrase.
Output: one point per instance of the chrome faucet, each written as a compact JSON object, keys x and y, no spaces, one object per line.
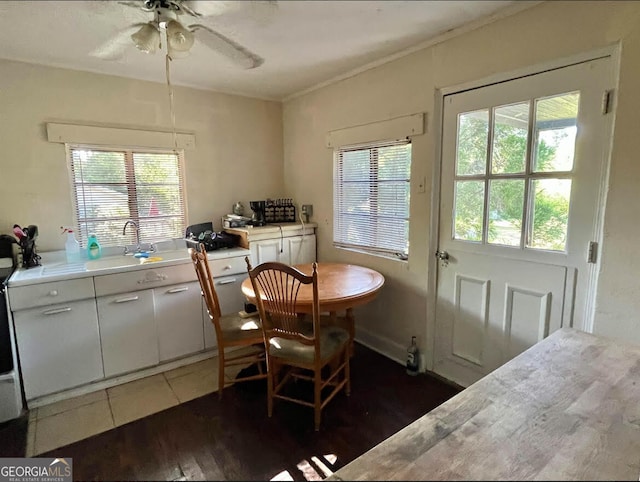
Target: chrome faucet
{"x":124,"y":229}
{"x":150,"y":247}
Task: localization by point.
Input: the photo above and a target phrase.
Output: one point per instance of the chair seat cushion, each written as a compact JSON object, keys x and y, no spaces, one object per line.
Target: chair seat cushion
{"x":236,"y":328}
{"x":332,"y":339}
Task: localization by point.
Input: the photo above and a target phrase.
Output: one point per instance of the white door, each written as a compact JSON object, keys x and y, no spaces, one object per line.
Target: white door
{"x":301,"y":249}
{"x":522,"y":165}
{"x":127,"y":332}
{"x":178,"y":315}
{"x":60,"y":347}
{"x":268,"y":250}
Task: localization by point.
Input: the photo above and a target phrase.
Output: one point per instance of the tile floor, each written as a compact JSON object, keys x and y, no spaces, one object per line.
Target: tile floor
{"x":68,"y":421}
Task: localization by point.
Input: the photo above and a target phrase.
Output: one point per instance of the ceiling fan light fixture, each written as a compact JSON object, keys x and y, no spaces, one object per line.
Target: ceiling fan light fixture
{"x":179,"y":38}
{"x":147,"y":38}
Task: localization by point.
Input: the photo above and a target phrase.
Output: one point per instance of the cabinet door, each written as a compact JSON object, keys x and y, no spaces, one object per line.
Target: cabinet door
{"x":231,"y":301}
{"x":128,"y":332}
{"x":178,"y":311}
{"x":301,"y":249}
{"x":59,"y":347}
{"x":268,"y":250}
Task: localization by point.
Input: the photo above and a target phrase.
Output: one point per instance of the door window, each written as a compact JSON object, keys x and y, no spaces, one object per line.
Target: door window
{"x":513,"y":175}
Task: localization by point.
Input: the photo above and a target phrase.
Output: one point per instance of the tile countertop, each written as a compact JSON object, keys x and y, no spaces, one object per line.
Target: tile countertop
{"x":55,"y":266}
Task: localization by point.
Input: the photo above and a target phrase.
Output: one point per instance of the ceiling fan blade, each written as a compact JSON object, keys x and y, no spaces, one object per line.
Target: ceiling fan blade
{"x":227,"y":47}
{"x":206,"y":8}
{"x":260,"y":10}
{"x":134,"y":4}
{"x":116,"y":46}
{"x":185,"y":8}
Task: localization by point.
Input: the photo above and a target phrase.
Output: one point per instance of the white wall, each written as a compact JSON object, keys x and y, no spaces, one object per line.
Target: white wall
{"x":238,"y":153}
{"x":548,"y":31}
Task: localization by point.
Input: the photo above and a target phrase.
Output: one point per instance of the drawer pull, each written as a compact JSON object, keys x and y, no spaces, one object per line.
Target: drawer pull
{"x":56,"y":311}
{"x":226,"y":281}
{"x":226,"y":268}
{"x":125,"y":300}
{"x":53,"y":293}
{"x":178,"y":290}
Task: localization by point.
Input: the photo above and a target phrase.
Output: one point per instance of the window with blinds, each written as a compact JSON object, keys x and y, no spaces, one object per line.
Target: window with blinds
{"x":371,"y":198}
{"x":111,"y":186}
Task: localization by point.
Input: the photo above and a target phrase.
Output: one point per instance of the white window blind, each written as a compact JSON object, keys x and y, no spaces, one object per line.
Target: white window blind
{"x":111,"y":186}
{"x":371,"y":197}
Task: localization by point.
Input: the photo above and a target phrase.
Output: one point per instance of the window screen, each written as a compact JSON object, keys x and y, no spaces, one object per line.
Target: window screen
{"x":111,"y":186}
{"x":371,"y":197}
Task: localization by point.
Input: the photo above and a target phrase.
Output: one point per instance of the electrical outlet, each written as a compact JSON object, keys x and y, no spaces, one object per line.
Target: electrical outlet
{"x":307,"y":209}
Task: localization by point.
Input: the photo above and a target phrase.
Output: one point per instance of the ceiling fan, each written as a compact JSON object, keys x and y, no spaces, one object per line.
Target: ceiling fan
{"x":178,"y":38}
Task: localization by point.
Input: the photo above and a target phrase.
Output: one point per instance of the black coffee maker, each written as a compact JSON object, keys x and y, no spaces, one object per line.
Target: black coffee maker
{"x":258,"y":208}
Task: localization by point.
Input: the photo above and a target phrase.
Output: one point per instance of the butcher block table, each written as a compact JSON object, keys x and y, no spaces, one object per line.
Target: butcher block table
{"x":566,"y":409}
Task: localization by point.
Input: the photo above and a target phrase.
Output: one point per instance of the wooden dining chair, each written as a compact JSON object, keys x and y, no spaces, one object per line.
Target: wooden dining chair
{"x":233,"y":332}
{"x":296,"y":347}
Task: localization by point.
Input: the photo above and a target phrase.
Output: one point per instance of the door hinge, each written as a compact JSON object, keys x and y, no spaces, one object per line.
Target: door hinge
{"x":592,"y":255}
{"x":607,"y":100}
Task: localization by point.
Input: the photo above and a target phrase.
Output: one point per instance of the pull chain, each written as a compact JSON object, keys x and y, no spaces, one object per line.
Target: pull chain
{"x":171,"y":108}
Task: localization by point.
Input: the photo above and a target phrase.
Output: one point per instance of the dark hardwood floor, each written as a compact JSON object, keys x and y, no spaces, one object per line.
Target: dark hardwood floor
{"x":233,"y":439}
{"x":13,"y":437}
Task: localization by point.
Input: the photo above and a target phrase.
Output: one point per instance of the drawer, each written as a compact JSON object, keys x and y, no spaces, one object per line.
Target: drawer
{"x":42,"y":294}
{"x":143,"y":279}
{"x":226,"y":266}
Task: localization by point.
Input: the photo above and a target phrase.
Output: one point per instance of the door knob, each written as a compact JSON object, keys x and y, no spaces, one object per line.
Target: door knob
{"x":442,"y":255}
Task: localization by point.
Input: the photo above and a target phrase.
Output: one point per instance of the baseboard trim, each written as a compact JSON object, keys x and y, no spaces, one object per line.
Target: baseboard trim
{"x":396,"y":352}
{"x":390,"y":349}
{"x":119,"y":379}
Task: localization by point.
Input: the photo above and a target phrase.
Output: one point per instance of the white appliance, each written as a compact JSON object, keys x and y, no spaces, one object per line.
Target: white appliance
{"x":10,"y":388}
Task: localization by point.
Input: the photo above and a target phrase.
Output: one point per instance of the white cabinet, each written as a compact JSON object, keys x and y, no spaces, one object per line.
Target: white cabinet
{"x":73,"y":332}
{"x":178,"y":315}
{"x":59,"y":346}
{"x":142,"y":279}
{"x":55,"y":292}
{"x":268,"y":250}
{"x":128,"y":332}
{"x":289,"y":243}
{"x":142,"y":327}
{"x":300,"y":249}
{"x":167,"y":321}
{"x":288,"y":250}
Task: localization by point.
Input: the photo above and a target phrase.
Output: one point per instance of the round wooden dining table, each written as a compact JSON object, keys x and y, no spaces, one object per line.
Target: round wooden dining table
{"x":341,"y":287}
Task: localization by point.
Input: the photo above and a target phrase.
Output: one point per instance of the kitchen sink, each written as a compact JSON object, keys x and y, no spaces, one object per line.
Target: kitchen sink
{"x":61,"y":269}
{"x":129,"y":260}
{"x":112,"y":262}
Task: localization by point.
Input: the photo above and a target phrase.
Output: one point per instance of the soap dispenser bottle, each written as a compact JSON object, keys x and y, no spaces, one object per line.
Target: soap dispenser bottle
{"x":94,"y":250}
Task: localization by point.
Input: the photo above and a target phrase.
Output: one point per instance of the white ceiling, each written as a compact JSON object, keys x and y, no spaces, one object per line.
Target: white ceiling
{"x":304,"y":43}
